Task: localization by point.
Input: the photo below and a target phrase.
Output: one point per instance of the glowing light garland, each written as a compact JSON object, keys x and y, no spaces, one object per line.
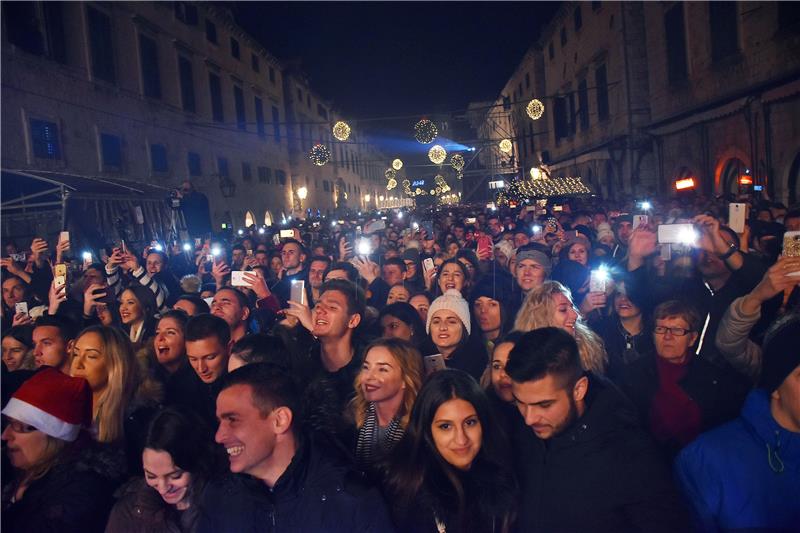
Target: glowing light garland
{"x":437,"y":154}
{"x":341,"y":130}
{"x":535,"y":109}
{"x":457,"y":162}
{"x":319,"y":154}
{"x":425,"y":131}
{"x":520,"y":190}
{"x":397,"y":164}
{"x":506,"y":146}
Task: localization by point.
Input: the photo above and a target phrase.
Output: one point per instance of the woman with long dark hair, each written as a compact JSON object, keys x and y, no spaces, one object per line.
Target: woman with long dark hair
{"x":400,"y":320}
{"x":178,"y":459}
{"x":137,"y":312}
{"x":450,"y":472}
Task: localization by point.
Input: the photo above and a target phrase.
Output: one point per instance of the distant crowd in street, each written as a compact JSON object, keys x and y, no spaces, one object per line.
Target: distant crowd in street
{"x":575,"y":364}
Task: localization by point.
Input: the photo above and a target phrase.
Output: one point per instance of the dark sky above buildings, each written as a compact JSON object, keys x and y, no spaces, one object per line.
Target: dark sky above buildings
{"x":385,"y":59}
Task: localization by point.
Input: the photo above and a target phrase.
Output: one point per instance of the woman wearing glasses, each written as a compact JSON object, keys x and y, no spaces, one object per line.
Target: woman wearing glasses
{"x":678,"y":394}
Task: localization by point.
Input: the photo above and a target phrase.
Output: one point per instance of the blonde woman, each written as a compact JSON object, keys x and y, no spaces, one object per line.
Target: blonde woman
{"x":550,"y":305}
{"x":386,"y":389}
{"x":104,"y":357}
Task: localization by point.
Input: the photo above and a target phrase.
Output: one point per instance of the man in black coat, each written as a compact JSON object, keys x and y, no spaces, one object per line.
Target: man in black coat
{"x":282,"y":479}
{"x":583,"y":462}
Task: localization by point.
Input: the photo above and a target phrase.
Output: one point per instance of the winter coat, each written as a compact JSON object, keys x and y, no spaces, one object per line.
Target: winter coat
{"x":745,"y":475}
{"x":717,"y":391}
{"x":489,"y":502}
{"x":622,"y":348}
{"x":140,"y":509}
{"x":76,"y":495}
{"x":603,"y":473}
{"x":316,"y":493}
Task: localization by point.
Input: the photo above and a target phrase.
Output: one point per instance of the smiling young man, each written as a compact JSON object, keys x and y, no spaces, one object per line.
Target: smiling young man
{"x":281,"y":475}
{"x":232,"y":306}
{"x":334,"y":320}
{"x":582,"y":461}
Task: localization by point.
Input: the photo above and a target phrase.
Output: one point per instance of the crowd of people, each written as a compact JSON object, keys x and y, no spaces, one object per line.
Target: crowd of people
{"x":571,"y":365}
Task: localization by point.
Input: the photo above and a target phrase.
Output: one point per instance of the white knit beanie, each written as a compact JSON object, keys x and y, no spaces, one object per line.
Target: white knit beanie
{"x":453,"y":301}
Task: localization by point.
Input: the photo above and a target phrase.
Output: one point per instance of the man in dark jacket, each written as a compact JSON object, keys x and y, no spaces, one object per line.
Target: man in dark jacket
{"x":282,"y":480}
{"x":722,"y":274}
{"x":583,"y":462}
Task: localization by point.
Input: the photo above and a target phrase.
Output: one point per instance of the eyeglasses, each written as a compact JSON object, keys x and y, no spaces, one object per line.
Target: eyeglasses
{"x":677,"y":332}
{"x":20,"y":427}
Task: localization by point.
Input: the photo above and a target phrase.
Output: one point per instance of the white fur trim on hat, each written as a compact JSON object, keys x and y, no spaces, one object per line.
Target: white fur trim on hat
{"x":452,"y":301}
{"x":41,"y":420}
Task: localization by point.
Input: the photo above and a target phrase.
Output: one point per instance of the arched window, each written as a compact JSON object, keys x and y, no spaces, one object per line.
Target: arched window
{"x":733,"y":170}
{"x":249,"y":219}
{"x":267,"y":218}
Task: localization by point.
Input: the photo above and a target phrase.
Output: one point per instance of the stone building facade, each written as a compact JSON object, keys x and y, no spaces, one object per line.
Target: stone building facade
{"x":725,"y":94}
{"x":155,"y":92}
{"x":640,"y":94}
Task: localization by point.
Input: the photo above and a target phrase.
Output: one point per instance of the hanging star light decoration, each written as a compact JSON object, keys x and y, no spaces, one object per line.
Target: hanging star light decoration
{"x":506,"y":146}
{"x":390,"y":174}
{"x":391,"y":184}
{"x":437,"y":154}
{"x":457,"y":162}
{"x":425,"y":131}
{"x":319,"y":154}
{"x":397,"y":164}
{"x":535,"y":109}
{"x":341,"y":130}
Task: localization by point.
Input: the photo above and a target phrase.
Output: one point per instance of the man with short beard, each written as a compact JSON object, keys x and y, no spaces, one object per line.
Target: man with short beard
{"x":293,"y":257}
{"x":316,"y":272}
{"x":582,"y":461}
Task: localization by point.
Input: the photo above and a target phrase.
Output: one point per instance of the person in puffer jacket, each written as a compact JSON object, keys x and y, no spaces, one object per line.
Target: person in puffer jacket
{"x":745,"y":475}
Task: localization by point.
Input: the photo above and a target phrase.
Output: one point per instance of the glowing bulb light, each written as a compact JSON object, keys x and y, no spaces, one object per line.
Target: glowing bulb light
{"x":302,"y":193}
{"x":535,"y":109}
{"x":390,"y":174}
{"x":391,"y":184}
{"x":341,"y":130}
{"x":457,"y":162}
{"x":506,"y":146}
{"x":397,"y":164}
{"x":319,"y":154}
{"x":437,"y":154}
{"x":425,"y":131}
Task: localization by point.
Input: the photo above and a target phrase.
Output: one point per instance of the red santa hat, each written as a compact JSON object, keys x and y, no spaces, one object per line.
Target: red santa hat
{"x":54,"y":403}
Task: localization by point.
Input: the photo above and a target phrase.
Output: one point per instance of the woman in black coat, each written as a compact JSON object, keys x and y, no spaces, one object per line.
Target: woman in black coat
{"x":450,"y":470}
{"x":63,"y":480}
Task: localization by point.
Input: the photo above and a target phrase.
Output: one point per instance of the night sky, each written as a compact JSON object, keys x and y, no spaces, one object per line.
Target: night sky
{"x":380,"y":59}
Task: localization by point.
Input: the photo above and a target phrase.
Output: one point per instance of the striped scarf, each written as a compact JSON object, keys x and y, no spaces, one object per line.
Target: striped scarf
{"x":366,"y":452}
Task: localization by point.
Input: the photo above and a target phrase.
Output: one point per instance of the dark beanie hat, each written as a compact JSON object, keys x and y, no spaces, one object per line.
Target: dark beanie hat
{"x":781,"y":353}
{"x":571,"y":274}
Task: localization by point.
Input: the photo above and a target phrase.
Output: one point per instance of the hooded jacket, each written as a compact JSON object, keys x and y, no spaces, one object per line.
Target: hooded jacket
{"x":316,"y":493}
{"x":603,"y":473}
{"x":75,"y":496}
{"x":744,"y":475}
